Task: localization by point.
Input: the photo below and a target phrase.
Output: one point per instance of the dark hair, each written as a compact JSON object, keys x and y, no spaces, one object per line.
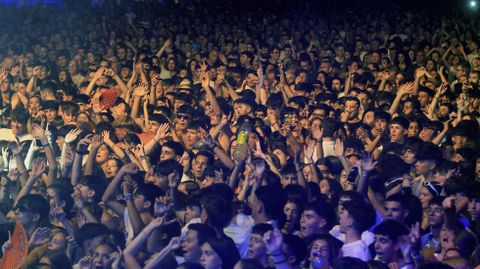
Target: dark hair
{"x":90,"y":231}
{"x":95,"y":183}
{"x":204,"y":232}
{"x":273,"y":198}
{"x":363,"y":214}
{"x":391,"y":228}
{"x":58,"y":259}
{"x":349,"y":263}
{"x":167,"y":167}
{"x":250,"y":264}
{"x":36,"y":204}
{"x":175,"y":146}
{"x":190,"y":265}
{"x":226,"y":250}
{"x":261,"y":228}
{"x":296,"y":245}
{"x":218,"y":209}
{"x":150,"y":192}
{"x":323,"y":210}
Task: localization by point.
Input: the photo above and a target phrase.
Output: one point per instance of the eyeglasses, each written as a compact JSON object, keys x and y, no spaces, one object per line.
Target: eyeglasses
{"x":183,"y":116}
{"x":436,"y":210}
{"x":429,"y":185}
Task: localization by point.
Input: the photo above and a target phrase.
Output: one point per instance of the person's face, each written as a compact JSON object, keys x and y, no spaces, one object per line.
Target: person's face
{"x":380,"y":124}
{"x":291,"y":212}
{"x":210,"y":259}
{"x":102,"y":154}
{"x":325,"y":186}
{"x":474,"y":207}
{"x":407,"y":108}
{"x":57,"y":241}
{"x":322,"y":249}
{"x":369,"y":118}
{"x":199,"y":165}
{"x":413,"y":129}
{"x":191,"y":248}
{"x":112,"y":168}
{"x":423,"y":167}
{"x":242,"y":109}
{"x":18,"y":128}
{"x":423,"y":98}
{"x":426,"y":134}
{"x":435,"y":215}
{"x":51,"y":114}
{"x":192,"y":137}
{"x":281,"y":156}
{"x":396,"y":132}
{"x":385,"y":248}
{"x":119,"y":111}
{"x":167,"y":154}
{"x":252,"y":80}
{"x":25,"y":216}
{"x":182,"y":119}
{"x":101,"y":257}
{"x":425,"y":197}
{"x":310,"y":223}
{"x":185,"y":161}
{"x":256,"y":247}
{"x":447,"y":238}
{"x":351,"y":107}
{"x":395,"y":211}
{"x":192,"y":212}
{"x":409,"y":156}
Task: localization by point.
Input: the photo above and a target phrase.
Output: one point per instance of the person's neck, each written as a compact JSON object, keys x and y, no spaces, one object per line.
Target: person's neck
{"x":351,"y":236}
{"x":30,"y":228}
{"x":264,"y":260}
{"x":435,"y":230}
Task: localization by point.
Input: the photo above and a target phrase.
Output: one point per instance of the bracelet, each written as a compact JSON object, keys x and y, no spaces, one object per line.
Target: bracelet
{"x":81,"y":152}
{"x":128,"y":197}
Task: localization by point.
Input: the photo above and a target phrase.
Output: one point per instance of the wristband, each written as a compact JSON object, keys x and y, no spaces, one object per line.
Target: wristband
{"x":128,"y":197}
{"x":81,"y":152}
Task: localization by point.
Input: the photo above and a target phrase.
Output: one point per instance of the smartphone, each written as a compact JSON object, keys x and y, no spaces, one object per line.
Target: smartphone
{"x":352,"y":176}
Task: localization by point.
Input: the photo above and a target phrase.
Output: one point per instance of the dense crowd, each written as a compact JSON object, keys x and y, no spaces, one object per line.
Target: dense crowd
{"x":192,"y":135}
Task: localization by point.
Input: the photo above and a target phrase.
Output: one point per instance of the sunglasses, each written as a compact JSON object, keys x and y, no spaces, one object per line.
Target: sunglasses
{"x":183,"y":116}
{"x":429,"y":185}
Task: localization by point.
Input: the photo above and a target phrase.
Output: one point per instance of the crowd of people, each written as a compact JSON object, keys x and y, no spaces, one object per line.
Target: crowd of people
{"x":193,"y":134}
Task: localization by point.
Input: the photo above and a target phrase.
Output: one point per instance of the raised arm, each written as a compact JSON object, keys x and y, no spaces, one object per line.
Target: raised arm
{"x":39,"y":133}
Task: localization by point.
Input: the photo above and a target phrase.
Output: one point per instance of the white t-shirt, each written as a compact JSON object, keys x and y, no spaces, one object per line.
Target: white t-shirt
{"x":357,"y":249}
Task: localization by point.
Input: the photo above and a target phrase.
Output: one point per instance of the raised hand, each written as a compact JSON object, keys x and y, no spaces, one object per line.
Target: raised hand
{"x":174,"y":243}
{"x":339,"y":149}
{"x":162,"y":132}
{"x":406,"y":88}
{"x":109,"y":72}
{"x":367,"y":163}
{"x":82,"y":145}
{"x":420,"y":72}
{"x":162,"y":205}
{"x":130,"y":168}
{"x":39,"y":237}
{"x":38,"y":167}
{"x":85,"y":263}
{"x":106,"y":137}
{"x":205,"y":80}
{"x":99,"y":73}
{"x":127,"y":187}
{"x":309,"y":150}
{"x":16,"y":148}
{"x":258,"y":152}
{"x":206,"y":137}
{"x":273,"y":241}
{"x":140,"y":90}
{"x":38,"y":131}
{"x":8,"y":244}
{"x":97,"y":142}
